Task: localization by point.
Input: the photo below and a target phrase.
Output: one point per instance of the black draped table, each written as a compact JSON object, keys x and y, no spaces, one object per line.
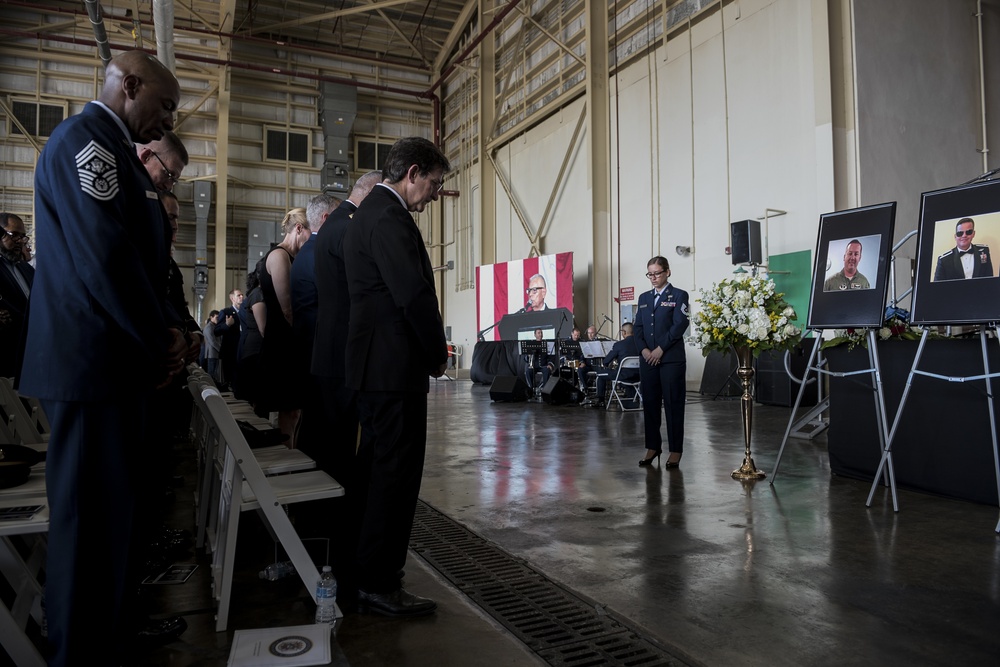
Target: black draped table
{"x":943,"y":444}
{"x":493,"y":358}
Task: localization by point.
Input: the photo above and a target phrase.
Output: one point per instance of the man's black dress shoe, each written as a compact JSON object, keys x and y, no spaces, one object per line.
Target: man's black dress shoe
{"x":397,"y":603}
{"x":158,"y":633}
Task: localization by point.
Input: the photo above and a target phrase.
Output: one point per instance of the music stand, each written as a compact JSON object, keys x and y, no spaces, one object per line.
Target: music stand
{"x":594,"y":349}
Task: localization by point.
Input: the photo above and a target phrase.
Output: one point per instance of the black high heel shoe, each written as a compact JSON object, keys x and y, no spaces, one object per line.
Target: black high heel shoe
{"x":672,"y":464}
{"x":644,"y":463}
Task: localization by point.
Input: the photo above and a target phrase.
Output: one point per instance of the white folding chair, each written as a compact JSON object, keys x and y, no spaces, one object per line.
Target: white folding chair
{"x":245,"y":487}
{"x":274,"y":460}
{"x":20,"y":568}
{"x":25,"y":424}
{"x":619,"y":387}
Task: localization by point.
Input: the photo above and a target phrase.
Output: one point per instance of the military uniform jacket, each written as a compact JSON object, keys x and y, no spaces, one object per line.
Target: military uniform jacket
{"x":663,"y":325}
{"x":626,"y":347}
{"x":98,"y":315}
{"x":395,"y":335}
{"x":839,"y":282}
{"x":949,"y":265}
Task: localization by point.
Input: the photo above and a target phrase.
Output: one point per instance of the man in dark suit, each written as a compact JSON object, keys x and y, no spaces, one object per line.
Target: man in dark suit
{"x":103,"y":239}
{"x":626,"y":347}
{"x":332,"y":316}
{"x":228,"y":332}
{"x":966,"y":259}
{"x":335,"y":454}
{"x":15,"y":286}
{"x":395,"y":341}
{"x":660,"y":322}
{"x":305,"y":304}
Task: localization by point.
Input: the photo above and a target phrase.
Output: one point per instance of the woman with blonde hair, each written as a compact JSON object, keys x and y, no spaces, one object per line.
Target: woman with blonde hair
{"x":275,"y":283}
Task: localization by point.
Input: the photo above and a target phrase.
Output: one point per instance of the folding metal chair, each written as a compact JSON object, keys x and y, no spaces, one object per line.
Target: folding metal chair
{"x":619,"y":386}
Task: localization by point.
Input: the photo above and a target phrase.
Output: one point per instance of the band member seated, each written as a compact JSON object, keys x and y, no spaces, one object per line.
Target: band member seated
{"x":539,"y":361}
{"x":626,"y":347}
{"x":586,"y":365}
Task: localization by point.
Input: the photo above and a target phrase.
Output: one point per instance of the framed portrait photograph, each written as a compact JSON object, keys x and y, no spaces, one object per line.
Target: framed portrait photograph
{"x":851,"y":273}
{"x":957,"y":279}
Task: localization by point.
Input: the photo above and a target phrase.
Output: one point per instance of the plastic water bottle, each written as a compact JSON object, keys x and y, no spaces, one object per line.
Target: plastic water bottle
{"x":278,"y":570}
{"x":326,"y":595}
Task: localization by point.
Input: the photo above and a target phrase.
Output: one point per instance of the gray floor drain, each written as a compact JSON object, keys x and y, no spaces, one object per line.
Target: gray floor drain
{"x":559,"y":625}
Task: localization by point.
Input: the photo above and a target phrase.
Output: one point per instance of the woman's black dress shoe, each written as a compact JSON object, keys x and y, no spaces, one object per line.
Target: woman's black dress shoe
{"x":643,"y":463}
{"x":672,"y":464}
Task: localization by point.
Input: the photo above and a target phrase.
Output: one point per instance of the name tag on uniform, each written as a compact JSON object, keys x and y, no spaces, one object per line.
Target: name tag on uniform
{"x":151,"y":195}
{"x":643,"y":305}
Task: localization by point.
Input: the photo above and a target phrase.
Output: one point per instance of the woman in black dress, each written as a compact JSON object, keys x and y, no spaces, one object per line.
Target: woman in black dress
{"x":275,"y":283}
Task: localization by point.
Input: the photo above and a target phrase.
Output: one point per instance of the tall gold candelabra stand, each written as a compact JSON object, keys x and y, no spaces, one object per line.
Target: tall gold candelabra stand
{"x":745,"y":372}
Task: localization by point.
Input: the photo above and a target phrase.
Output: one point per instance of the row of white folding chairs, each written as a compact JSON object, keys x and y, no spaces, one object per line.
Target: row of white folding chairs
{"x":273,"y":460}
{"x":245,"y":485}
{"x":22,"y":421}
{"x":20,"y":564}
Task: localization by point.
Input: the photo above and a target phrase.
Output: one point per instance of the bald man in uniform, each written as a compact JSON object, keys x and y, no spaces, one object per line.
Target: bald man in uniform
{"x":104,"y":242}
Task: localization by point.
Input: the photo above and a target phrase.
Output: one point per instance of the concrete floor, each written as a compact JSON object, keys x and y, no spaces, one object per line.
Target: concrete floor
{"x":719,"y":572}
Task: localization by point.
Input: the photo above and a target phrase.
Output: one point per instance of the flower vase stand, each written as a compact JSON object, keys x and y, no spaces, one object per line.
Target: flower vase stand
{"x":885,"y":463}
{"x":815,"y":365}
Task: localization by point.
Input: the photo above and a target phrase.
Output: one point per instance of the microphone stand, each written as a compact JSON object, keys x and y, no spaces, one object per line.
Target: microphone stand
{"x":481,"y":336}
{"x":984,"y":177}
{"x":606,"y":320}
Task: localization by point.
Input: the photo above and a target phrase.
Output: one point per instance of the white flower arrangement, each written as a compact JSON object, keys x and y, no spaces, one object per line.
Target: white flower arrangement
{"x":896,"y":326}
{"x":744,"y":312}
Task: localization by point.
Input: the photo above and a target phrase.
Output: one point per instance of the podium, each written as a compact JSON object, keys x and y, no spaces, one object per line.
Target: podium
{"x":558,"y":321}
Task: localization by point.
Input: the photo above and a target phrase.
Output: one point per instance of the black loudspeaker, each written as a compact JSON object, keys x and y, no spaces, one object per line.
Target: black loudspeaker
{"x":509,"y":388}
{"x":745,"y":242}
{"x":559,"y":392}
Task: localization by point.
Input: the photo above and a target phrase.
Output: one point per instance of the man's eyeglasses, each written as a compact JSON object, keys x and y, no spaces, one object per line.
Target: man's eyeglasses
{"x":966,"y":232}
{"x":16,"y":237}
{"x":532,"y":290}
{"x":171,"y":176}
{"x":438,"y":185}
{"x":655,"y":274}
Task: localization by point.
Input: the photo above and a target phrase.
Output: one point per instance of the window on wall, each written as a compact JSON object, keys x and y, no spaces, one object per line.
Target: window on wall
{"x":369,"y":153}
{"x":37,"y":118}
{"x":287,"y":145}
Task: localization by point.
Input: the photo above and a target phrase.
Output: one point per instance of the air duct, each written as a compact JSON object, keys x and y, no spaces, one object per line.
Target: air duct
{"x":100,"y":32}
{"x":163,"y":22}
{"x":202,"y":206}
{"x":338,"y":109}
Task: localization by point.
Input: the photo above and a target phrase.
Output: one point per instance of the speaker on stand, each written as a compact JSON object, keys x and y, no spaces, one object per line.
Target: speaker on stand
{"x":509,"y":389}
{"x":745,"y":242}
{"x":559,"y":392}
